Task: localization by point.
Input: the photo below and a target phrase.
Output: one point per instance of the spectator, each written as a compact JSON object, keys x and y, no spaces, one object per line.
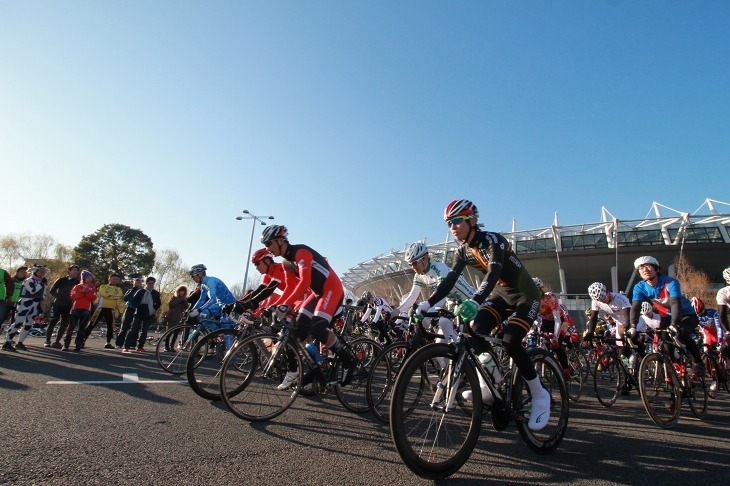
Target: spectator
{"x":20,"y":275}
{"x":61,"y":308}
{"x":178,"y":304}
{"x":109,"y":295}
{"x":146,"y":301}
{"x":83,"y":296}
{"x":7,"y":287}
{"x":128,"y":312}
{"x":32,"y":294}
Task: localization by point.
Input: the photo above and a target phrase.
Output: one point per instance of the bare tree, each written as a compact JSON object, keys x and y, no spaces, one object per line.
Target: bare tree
{"x":170,"y":271}
{"x":694,"y":282}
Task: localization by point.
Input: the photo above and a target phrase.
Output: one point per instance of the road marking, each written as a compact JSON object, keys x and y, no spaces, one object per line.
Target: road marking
{"x":127,"y":378}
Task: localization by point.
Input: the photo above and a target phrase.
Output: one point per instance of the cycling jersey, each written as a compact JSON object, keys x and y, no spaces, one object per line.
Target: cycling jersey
{"x":213,"y":295}
{"x":434,"y":274}
{"x":314,"y":274}
{"x":381,"y":306}
{"x":505,"y":276}
{"x":550,"y":308}
{"x":614,"y":308}
{"x":659,"y":296}
{"x":723,"y":296}
{"x":110,"y":295}
{"x":278,"y":276}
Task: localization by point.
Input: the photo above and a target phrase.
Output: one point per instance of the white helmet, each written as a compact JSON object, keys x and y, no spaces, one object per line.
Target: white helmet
{"x":597,"y":291}
{"x":416,"y":251}
{"x":538,"y":281}
{"x":646,"y":307}
{"x":645,"y":260}
{"x":726,"y":274}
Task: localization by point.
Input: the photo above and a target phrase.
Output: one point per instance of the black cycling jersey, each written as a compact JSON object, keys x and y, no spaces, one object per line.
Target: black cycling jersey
{"x":505,"y":277}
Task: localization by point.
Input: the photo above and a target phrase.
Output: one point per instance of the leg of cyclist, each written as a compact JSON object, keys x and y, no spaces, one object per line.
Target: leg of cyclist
{"x":493,"y":312}
{"x":687,"y":324}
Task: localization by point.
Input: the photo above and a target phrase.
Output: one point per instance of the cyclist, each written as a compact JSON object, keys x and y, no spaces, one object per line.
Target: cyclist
{"x":665,"y":294}
{"x":383,"y":311}
{"x":723,"y":307}
{"x":616,"y":307}
{"x":29,"y":305}
{"x":551,"y":315}
{"x":213,"y":293}
{"x":428,"y":274}
{"x":324,"y":296}
{"x":648,"y":318}
{"x":275,"y":276}
{"x":506,"y":293}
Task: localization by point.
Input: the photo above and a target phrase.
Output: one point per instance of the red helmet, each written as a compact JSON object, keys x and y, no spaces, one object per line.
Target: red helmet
{"x":260,"y":254}
{"x":698,"y":305}
{"x":460,"y":207}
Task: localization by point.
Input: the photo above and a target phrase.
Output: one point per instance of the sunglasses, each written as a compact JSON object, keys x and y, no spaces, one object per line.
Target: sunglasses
{"x":457,"y":221}
{"x":416,"y":262}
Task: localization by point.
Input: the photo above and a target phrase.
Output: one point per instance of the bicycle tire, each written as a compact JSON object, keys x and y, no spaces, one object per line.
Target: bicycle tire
{"x":175,"y":359}
{"x":550,"y":373}
{"x":575,"y":384}
{"x":354,"y":395}
{"x":711,"y":369}
{"x":432,"y":443}
{"x":249,"y":391}
{"x":724,"y":371}
{"x":381,"y":379}
{"x":608,"y":378}
{"x":660,"y":390}
{"x":206,"y":360}
{"x":694,"y":388}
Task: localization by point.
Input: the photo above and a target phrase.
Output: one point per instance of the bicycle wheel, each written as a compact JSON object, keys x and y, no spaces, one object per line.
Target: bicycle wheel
{"x":712,"y":374}
{"x":251,"y":374}
{"x":205,"y":362}
{"x":173,"y":348}
{"x":433,"y":438}
{"x":659,"y":388}
{"x":694,"y":388}
{"x":381,"y":379}
{"x":354,"y":395}
{"x":724,"y":371}
{"x":575,"y":383}
{"x":608,"y":378}
{"x":550,"y":373}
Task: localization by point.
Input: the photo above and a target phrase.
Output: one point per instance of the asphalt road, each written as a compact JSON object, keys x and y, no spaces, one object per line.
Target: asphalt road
{"x":153,"y":433}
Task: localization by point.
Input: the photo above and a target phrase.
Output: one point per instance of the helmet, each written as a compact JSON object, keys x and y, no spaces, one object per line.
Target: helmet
{"x":726,"y":274}
{"x":698,"y":305}
{"x":645,"y":260}
{"x":597,"y":291}
{"x":196,"y":269}
{"x":646,"y":307}
{"x":366,"y":296}
{"x":416,"y":251}
{"x":260,"y":254}
{"x":588,"y":312}
{"x":273,"y":231}
{"x":460,"y":207}
{"x":538,"y":281}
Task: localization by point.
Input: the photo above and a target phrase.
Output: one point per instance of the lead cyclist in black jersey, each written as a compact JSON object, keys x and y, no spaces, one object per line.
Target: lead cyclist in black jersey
{"x":507,"y":292}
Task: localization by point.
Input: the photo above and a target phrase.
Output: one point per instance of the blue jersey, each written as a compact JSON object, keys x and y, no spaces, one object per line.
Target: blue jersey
{"x":213,"y":293}
{"x":659,"y":296}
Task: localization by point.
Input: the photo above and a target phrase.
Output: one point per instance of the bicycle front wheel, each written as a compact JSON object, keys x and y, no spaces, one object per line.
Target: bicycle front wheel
{"x":174,"y":347}
{"x":712,"y":374}
{"x":575,"y":383}
{"x":694,"y":388}
{"x":354,"y":395}
{"x":381,"y":379}
{"x":724,"y":372}
{"x":435,"y":430}
{"x":206,"y":360}
{"x":659,"y":388}
{"x":608,"y":378}
{"x":251,"y":376}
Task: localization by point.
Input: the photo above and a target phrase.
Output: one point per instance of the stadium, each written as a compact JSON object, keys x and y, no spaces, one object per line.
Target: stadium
{"x":569,"y":258}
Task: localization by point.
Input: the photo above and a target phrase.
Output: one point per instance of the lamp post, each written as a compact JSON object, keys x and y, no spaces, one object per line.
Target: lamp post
{"x":254,"y":218}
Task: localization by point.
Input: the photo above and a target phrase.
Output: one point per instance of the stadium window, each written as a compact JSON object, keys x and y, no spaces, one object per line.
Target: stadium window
{"x":640,"y":238}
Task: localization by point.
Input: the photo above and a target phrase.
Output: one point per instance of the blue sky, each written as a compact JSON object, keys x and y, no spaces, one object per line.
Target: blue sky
{"x":355,"y":123}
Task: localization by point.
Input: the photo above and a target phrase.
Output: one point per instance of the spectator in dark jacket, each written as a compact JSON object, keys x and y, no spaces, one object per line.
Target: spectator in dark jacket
{"x":61,"y":308}
{"x":128,"y":312}
{"x":146,"y":302}
{"x":7,"y":287}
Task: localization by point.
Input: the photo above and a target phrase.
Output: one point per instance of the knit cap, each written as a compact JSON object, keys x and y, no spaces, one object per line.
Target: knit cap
{"x":85,"y":274}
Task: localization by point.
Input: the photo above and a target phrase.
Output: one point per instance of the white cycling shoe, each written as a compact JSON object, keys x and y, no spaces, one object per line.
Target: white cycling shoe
{"x":289,"y":379}
{"x":540,"y":411}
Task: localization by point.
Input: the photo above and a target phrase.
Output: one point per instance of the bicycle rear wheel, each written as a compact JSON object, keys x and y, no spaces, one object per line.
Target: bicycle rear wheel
{"x":723,"y":368}
{"x":381,"y":379}
{"x":575,"y":383}
{"x":659,"y":388}
{"x":608,"y":378}
{"x":550,"y":373}
{"x":434,"y":439}
{"x":694,"y":388}
{"x":251,"y":374}
{"x":713,"y":378}
{"x":206,"y":360}
{"x":174,"y":347}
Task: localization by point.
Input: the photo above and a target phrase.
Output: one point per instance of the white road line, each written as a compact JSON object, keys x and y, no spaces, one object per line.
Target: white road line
{"x":127,"y":378}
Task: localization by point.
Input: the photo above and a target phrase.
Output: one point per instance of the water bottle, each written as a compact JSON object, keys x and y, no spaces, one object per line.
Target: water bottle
{"x":314,"y":351}
{"x":488,"y":363}
{"x":632,"y":361}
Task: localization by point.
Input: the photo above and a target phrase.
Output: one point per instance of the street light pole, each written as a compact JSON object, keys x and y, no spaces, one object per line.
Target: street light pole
{"x":254,"y":219}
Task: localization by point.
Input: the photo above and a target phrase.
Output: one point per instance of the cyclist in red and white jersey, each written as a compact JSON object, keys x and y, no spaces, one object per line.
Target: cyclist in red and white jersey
{"x":551,"y":315}
{"x":325,"y":294}
{"x":276,"y":276}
